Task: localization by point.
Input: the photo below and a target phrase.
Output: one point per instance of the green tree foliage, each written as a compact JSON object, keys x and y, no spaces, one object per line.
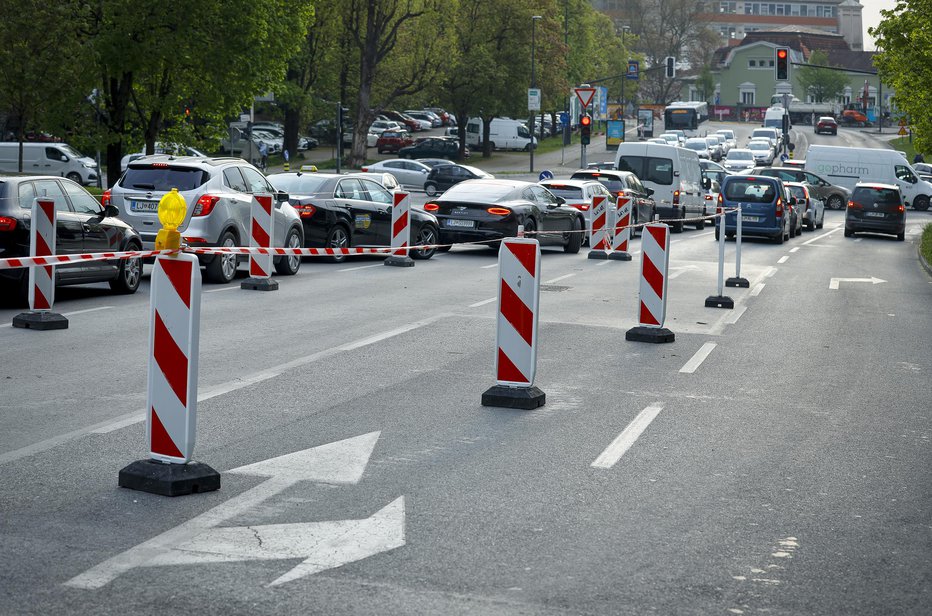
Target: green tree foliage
{"x":905,"y":62}
{"x":823,"y":84}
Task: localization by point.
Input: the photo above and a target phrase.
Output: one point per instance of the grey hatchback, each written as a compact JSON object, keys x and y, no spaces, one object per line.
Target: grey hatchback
{"x":219,"y":193}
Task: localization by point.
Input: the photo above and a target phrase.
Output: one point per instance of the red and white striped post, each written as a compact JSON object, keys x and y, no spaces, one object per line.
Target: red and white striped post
{"x":171,"y":400}
{"x":598,"y":237}
{"x":652,"y":295}
{"x":261,"y":232}
{"x":41,"y":278}
{"x":621,"y":229}
{"x":516,"y":331}
{"x":401,"y":231}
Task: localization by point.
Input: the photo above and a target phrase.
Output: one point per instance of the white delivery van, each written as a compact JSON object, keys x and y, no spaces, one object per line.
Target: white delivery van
{"x":49,"y":159}
{"x":504,"y":134}
{"x":674,"y":175}
{"x":773,"y":118}
{"x":848,"y":166}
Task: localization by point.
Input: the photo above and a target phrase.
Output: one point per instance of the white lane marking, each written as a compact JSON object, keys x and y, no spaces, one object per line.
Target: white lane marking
{"x":736,"y":314}
{"x":353,"y":269}
{"x":70,"y":314}
{"x":602,"y":262}
{"x":212,"y":392}
{"x":676,"y":241}
{"x":698,"y":358}
{"x":489,"y":266}
{"x":756,"y":290}
{"x":819,"y":237}
{"x":794,"y":249}
{"x":559,"y":278}
{"x":770,"y":272}
{"x":221,"y":290}
{"x":858,"y":239}
{"x":706,"y":234}
{"x":783,"y":259}
{"x":613,"y":453}
{"x":483,"y":302}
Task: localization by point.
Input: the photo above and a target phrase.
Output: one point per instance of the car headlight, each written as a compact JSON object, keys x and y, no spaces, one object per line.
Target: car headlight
{"x":90,"y":165}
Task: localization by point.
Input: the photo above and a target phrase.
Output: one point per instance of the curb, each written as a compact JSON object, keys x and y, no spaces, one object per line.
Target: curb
{"x":922,"y":260}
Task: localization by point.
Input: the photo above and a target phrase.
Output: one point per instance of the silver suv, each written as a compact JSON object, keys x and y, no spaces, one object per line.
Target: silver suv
{"x":219,"y":193}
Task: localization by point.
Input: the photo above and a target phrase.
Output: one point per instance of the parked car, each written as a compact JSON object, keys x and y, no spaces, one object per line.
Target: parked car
{"x":410,"y":173}
{"x":371,"y":139}
{"x":380,"y":126}
{"x":425,"y":116}
{"x":385,"y":180}
{"x":344,"y":211}
{"x":82,"y":225}
{"x":219,"y":193}
{"x":489,"y":210}
{"x":878,"y":208}
{"x":700,"y":146}
{"x":442,"y":177}
{"x":624,"y":183}
{"x":448,"y":118}
{"x":807,"y":204}
{"x":434,"y":147}
{"x":764,"y":211}
{"x":826,"y":124}
{"x":405,"y":120}
{"x":832,"y":195}
{"x":393,"y":140}
{"x":433,"y":162}
{"x":739,"y":159}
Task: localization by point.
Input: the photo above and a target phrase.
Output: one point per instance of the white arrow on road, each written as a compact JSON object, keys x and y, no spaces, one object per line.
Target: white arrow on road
{"x":834,"y":282}
{"x":323,"y":545}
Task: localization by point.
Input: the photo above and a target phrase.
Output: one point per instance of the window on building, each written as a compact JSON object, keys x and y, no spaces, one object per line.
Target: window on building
{"x":747,"y":98}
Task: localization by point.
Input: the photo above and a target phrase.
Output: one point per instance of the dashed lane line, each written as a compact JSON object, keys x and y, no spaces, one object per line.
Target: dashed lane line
{"x":696,"y":360}
{"x":608,"y":458}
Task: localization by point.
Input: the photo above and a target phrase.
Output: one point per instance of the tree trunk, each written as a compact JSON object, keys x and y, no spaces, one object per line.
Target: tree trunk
{"x":292,"y":125}
{"x":116,"y":102}
{"x":152,"y":131}
{"x":461,"y":119}
{"x":486,"y":131}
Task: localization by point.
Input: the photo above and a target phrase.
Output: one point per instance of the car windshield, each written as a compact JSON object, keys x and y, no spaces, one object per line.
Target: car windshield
{"x":473,"y":190}
{"x":162,"y":177}
{"x":475,"y":171}
{"x":567,"y":192}
{"x":697,"y":145}
{"x":758,"y":145}
{"x":298,"y":184}
{"x":739,"y":155}
{"x":750,"y":190}
{"x":648,"y":168}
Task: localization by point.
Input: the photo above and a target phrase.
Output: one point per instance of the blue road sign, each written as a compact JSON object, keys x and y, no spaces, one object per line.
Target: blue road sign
{"x":545,"y":175}
{"x":564,"y":117}
{"x":634,"y":69}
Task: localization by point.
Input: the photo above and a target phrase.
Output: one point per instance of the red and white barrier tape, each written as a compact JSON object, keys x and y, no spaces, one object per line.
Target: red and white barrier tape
{"x":17,"y":262}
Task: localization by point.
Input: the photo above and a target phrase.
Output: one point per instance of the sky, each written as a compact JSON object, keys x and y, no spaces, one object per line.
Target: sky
{"x":870,"y":16}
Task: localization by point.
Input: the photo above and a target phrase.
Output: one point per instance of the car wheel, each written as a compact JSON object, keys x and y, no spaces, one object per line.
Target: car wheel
{"x":431,"y":189}
{"x":821,"y":222}
{"x":289,"y":265}
{"x":900,"y":237}
{"x":75,"y":177}
{"x":129,"y":274}
{"x":337,"y":237}
{"x":679,"y":225}
{"x":530,"y":228}
{"x":835,"y":202}
{"x":700,"y":225}
{"x":574,"y":241}
{"x":849,"y":232}
{"x":426,"y":236}
{"x":223,"y":268}
{"x":491,"y":146}
{"x":792,"y":230}
{"x":921,"y":203}
{"x":810,"y":226}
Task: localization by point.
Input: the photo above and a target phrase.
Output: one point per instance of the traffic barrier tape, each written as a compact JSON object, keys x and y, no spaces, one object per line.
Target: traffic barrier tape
{"x":17,"y":262}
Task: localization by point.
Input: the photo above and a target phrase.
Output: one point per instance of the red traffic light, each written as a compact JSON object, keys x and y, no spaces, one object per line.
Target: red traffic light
{"x":781,"y":53}
{"x":585,"y":120}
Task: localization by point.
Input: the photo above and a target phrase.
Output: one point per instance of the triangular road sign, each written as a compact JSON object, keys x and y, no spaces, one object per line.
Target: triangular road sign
{"x":585,"y":95}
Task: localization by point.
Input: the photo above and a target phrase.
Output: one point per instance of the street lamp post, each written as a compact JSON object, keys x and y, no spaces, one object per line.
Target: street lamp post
{"x":530,"y":148}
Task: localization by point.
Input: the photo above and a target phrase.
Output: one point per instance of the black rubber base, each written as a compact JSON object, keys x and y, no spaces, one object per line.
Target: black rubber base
{"x":719,"y":301}
{"x":741,"y":283}
{"x":40,"y":319}
{"x":169,"y":479}
{"x":525,"y":398}
{"x":654,"y":335}
{"x":619,"y":256}
{"x":259,"y":284}
{"x":397,"y":261}
{"x":598,"y":254}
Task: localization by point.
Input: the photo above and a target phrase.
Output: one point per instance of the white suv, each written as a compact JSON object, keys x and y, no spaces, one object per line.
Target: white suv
{"x":219,"y":193}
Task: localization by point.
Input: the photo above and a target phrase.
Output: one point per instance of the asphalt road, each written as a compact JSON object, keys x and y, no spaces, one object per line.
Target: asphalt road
{"x":782,"y":465}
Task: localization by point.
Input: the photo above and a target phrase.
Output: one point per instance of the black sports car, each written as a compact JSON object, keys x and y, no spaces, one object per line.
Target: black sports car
{"x":489,"y":210}
{"x":343,"y":211}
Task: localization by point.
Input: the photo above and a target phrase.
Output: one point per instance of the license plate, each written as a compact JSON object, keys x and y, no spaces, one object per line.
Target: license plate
{"x":874,"y":214}
{"x":466,"y":224}
{"x":750,"y":219}
{"x":143,"y":206}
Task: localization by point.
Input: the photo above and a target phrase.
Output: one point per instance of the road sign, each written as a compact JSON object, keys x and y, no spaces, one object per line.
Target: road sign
{"x":584,"y":95}
{"x":902,"y":132}
{"x":902,"y":121}
{"x":633,"y":70}
{"x":545,"y":175}
{"x":533,"y":99}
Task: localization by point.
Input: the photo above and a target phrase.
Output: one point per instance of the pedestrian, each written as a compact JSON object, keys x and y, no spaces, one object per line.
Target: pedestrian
{"x":263,"y":155}
{"x":918,"y":158}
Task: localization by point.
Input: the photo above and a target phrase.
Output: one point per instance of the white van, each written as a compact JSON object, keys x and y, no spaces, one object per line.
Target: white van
{"x":674,"y":175}
{"x":49,"y":159}
{"x":773,"y":118}
{"x":848,"y":166}
{"x":504,"y":134}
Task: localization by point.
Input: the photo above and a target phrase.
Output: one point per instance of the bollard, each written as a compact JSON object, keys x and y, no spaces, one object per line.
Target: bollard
{"x":737,"y":280}
{"x":260,"y":236}
{"x":516,"y":331}
{"x":171,"y":400}
{"x":41,"y":278}
{"x":621,"y":231}
{"x":652,"y":293}
{"x":598,"y":238}
{"x":401,"y":231}
{"x":721,"y":300}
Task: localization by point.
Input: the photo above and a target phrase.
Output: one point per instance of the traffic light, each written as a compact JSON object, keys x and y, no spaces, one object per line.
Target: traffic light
{"x":671,"y":67}
{"x":585,"y":128}
{"x":782,"y":63}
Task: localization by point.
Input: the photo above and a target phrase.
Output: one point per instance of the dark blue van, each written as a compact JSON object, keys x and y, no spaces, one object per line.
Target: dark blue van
{"x":764,"y":210}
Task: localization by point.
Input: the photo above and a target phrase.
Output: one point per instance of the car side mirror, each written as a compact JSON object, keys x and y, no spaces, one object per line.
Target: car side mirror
{"x":650,"y":192}
{"x":111,"y":211}
{"x":561,"y":201}
{"x":793,"y":201}
{"x":706,"y":183}
{"x":281,"y":197}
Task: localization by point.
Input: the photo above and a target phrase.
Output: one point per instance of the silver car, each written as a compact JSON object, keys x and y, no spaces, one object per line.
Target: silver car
{"x":410,"y":173}
{"x":219,"y":193}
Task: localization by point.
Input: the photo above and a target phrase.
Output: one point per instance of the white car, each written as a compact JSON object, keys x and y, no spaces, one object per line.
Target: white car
{"x":579,"y":194}
{"x":762,"y":151}
{"x":699,"y":146}
{"x":729,"y":136}
{"x":672,"y":139}
{"x":409,"y":173}
{"x":160,"y":148}
{"x":371,"y":139}
{"x":380,"y":126}
{"x":739,"y":159}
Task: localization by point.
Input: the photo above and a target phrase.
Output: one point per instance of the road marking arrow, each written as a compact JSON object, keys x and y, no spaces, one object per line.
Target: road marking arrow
{"x":323,"y":545}
{"x":834,"y":282}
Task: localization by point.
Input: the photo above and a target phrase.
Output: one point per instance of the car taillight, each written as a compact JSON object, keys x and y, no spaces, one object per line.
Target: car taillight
{"x":582,"y":207}
{"x":719,"y":209}
{"x":205,"y":205}
{"x":306,"y":210}
{"x":499,"y":211}
{"x":431,"y":207}
{"x":779,"y":210}
{"x":721,"y":200}
{"x":7,"y":223}
{"x":105,"y":198}
{"x":853,"y":205}
{"x":190,"y":239}
{"x":364,"y":169}
{"x":708,"y":197}
{"x":676,"y":197}
{"x":901,"y":208}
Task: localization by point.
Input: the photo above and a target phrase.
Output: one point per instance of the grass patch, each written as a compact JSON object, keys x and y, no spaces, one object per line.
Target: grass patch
{"x":925,"y":244}
{"x":904,"y":145}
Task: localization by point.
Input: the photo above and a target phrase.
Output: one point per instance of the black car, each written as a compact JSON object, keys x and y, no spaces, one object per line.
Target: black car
{"x":443,"y":177}
{"x":489,"y":210}
{"x":83,"y":225}
{"x":340,"y":211}
{"x":878,"y":208}
{"x":434,"y":147}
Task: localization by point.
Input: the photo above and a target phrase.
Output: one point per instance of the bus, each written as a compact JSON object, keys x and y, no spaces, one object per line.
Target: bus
{"x":685,"y":115}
